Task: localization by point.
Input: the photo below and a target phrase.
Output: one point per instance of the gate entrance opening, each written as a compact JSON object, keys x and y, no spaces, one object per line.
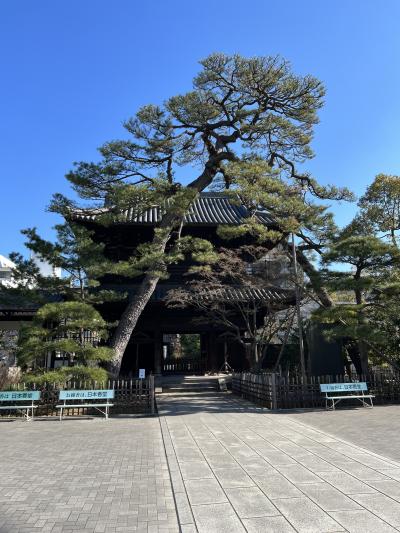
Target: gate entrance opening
{"x":182,"y":354}
{"x":192,"y":353}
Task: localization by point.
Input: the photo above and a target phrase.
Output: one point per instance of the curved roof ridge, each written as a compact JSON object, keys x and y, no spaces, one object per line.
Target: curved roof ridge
{"x":209,"y":208}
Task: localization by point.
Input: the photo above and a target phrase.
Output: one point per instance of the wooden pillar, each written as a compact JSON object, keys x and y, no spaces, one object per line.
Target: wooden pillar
{"x":158,"y":353}
{"x":137,"y":347}
{"x":204,"y":352}
{"x":212,"y":352}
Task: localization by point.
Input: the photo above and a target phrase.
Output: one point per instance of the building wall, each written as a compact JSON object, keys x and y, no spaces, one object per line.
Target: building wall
{"x":325,"y":358}
{"x":8,"y":342}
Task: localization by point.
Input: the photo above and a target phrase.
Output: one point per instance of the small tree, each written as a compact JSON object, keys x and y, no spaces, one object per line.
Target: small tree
{"x":81,"y":260}
{"x":385,"y":318}
{"x":190,"y":343}
{"x":369,"y":266}
{"x":67,"y":315}
{"x":380,"y":205}
{"x":74,"y":330}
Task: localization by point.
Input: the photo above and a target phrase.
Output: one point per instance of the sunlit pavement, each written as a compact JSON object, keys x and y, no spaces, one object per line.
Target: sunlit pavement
{"x":237,"y":468}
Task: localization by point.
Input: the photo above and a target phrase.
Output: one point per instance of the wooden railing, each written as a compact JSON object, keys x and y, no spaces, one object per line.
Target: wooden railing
{"x":184,"y":366}
{"x":276,"y":391}
{"x":131,"y":396}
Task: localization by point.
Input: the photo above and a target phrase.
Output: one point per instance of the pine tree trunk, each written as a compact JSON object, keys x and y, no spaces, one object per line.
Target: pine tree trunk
{"x":363,"y":351}
{"x":362,"y":346}
{"x":135,"y":307}
{"x":129,"y":319}
{"x":393,"y":236}
{"x":314,"y":278}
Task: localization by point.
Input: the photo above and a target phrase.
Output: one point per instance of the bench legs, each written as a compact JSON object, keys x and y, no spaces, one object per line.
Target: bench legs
{"x":332,"y":407}
{"x":366,"y":404}
{"x":25,"y":412}
{"x":362,"y":400}
{"x":29,"y":418}
{"x":105,"y":413}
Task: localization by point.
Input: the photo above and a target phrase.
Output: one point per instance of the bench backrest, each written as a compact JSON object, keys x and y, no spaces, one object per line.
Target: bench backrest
{"x":19,"y":396}
{"x":100,"y":394}
{"x":343,"y":387}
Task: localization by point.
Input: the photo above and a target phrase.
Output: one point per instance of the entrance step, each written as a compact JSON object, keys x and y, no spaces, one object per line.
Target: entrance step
{"x":184,"y":384}
{"x":189,"y":388}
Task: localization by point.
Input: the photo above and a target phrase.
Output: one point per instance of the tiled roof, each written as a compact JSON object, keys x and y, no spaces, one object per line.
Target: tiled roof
{"x":208,"y":209}
{"x":240,"y":294}
{"x":234,"y":294}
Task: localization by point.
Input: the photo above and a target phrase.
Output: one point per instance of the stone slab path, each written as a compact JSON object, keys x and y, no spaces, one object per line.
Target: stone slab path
{"x":377,"y":429}
{"x":236,"y":468}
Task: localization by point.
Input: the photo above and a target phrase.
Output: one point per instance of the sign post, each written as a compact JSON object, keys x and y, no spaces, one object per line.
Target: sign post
{"x":142,"y":373}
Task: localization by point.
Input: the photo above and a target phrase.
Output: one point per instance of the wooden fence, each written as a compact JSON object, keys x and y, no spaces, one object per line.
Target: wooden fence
{"x":184,"y":365}
{"x":277,"y":391}
{"x":131,"y":396}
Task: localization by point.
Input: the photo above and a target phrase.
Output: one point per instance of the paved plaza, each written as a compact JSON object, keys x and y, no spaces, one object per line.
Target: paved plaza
{"x":377,"y":429}
{"x":90,"y":476}
{"x":208,"y":463}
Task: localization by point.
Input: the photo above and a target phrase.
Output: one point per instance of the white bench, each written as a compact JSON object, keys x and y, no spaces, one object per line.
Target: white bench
{"x":334,"y":393}
{"x":82,"y":395}
{"x":20,"y":396}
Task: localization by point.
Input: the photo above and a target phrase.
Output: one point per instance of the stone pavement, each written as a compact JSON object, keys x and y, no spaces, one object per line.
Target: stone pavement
{"x":376,"y":429}
{"x":238,"y":468}
{"x":89,"y":476}
{"x":219,"y":462}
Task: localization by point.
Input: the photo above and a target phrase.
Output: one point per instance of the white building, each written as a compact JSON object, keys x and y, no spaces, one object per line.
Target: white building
{"x":9,"y":325}
{"x":6,"y":266}
{"x":45,"y":268}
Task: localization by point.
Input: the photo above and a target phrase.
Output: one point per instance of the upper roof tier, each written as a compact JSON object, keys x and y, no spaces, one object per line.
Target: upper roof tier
{"x":209,"y":208}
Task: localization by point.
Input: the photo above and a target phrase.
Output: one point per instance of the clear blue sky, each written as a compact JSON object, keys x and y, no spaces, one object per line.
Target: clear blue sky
{"x":73,"y":70}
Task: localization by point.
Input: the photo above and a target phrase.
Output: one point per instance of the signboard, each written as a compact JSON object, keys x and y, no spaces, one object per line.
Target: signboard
{"x":18,"y":396}
{"x":86,"y":394}
{"x":142,"y":373}
{"x":343,"y":387}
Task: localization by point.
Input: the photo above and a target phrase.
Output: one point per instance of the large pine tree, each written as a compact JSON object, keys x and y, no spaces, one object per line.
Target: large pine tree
{"x":239,"y":108}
